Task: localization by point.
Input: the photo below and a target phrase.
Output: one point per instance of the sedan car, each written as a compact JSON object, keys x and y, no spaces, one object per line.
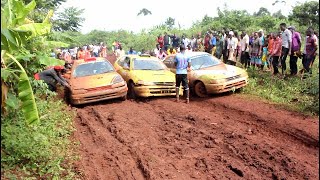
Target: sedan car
{"x":95,"y":79}
{"x":208,"y":75}
{"x":146,"y":76}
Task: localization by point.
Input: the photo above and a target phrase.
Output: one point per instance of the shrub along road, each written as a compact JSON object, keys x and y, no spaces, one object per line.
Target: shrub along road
{"x":221,"y":137}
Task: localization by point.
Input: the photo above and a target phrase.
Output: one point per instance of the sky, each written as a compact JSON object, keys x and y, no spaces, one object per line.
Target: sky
{"x":122,"y":14}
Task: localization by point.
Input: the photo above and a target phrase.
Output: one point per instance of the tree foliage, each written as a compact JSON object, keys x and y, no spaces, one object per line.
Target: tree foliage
{"x":306,"y":14}
{"x":144,"y":11}
{"x":262,"y":12}
{"x":170,"y":22}
{"x":69,"y":20}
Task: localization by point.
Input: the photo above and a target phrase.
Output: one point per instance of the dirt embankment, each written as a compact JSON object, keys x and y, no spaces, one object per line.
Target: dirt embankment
{"x":225,"y":137}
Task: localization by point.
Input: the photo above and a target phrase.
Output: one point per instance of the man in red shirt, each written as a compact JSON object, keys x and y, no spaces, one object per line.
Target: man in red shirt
{"x":311,"y":47}
{"x":160,"y":40}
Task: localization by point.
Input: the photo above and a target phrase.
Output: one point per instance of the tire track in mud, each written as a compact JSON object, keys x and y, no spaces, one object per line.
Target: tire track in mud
{"x":274,"y":161}
{"x":208,"y":139}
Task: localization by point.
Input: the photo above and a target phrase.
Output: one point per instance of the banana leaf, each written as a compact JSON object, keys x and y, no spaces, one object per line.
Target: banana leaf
{"x":28,"y":103}
{"x":50,"y":61}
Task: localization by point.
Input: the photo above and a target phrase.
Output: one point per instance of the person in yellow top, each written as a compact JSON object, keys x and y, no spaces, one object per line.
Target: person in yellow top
{"x":171,"y":51}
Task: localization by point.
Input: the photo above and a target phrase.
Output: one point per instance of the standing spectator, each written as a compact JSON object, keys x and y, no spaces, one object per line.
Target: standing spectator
{"x":245,"y":58}
{"x":286,"y":37}
{"x":232,"y":49}
{"x":295,"y":50}
{"x":199,"y":42}
{"x":206,"y":42}
{"x":225,"y":51}
{"x":171,"y":51}
{"x":182,"y":63}
{"x":160,"y":41}
{"x":276,"y":52}
{"x":213,"y":43}
{"x":256,"y":51}
{"x":270,"y":47}
{"x":311,"y":47}
{"x":96,"y":50}
{"x":166,"y":41}
{"x":131,"y":51}
{"x":161,"y":55}
{"x":81,"y":53}
{"x":103,"y":50}
{"x":156,"y":50}
{"x":87,"y":52}
{"x":193,"y":42}
{"x":219,"y":47}
{"x":185,"y":41}
{"x":175,"y":41}
{"x":120,"y":52}
{"x":189,"y":49}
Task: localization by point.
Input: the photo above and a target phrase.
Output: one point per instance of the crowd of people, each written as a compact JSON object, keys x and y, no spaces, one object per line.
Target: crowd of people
{"x":257,"y":50}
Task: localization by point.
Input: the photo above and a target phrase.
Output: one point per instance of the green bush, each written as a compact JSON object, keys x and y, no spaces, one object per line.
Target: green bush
{"x":41,"y":151}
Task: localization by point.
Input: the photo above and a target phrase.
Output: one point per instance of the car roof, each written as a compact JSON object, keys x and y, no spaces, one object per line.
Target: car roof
{"x":193,"y":54}
{"x":138,"y":57}
{"x":82,"y":61}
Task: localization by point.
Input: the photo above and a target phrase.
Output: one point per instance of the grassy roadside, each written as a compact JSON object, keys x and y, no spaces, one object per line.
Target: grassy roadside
{"x":40,"y":152}
{"x":291,"y":93}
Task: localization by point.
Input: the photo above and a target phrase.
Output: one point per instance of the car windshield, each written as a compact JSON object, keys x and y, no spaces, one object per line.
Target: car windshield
{"x":148,"y":64}
{"x":204,"y":62}
{"x":94,"y":68}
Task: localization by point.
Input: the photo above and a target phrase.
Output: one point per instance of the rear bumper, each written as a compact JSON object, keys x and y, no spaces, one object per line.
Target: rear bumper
{"x":147,"y":91}
{"x":99,"y":95}
{"x":227,"y":86}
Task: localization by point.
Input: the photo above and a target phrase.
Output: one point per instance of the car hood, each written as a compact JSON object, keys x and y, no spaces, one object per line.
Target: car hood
{"x":219,"y":72}
{"x":154,"y":76}
{"x":88,"y":82}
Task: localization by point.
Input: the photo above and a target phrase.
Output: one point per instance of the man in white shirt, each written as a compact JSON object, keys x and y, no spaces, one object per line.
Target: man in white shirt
{"x":233,"y":42}
{"x":95,"y":50}
{"x":185,"y":41}
{"x":245,"y":58}
{"x":156,"y":50}
{"x":286,"y":37}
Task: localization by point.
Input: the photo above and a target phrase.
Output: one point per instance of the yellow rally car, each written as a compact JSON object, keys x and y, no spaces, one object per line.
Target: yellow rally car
{"x":95,"y":79}
{"x":146,"y":76}
{"x":209,"y":75}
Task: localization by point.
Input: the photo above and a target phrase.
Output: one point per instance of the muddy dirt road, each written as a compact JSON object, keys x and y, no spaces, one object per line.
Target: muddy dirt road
{"x":222,"y":137}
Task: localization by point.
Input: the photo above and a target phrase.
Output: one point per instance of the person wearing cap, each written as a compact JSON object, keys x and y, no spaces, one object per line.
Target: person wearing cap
{"x":52,"y":76}
{"x":295,"y":50}
{"x":233,"y":44}
{"x":286,"y":37}
{"x":182,"y":62}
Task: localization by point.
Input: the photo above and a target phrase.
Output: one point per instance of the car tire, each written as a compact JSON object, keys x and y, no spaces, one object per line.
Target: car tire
{"x":123,"y":98}
{"x":131,"y":93}
{"x":200,"y":90}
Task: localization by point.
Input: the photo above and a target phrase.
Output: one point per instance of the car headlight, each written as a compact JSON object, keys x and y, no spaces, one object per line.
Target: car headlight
{"x":145,"y":83}
{"x":217,"y":81}
{"x":117,"y":79}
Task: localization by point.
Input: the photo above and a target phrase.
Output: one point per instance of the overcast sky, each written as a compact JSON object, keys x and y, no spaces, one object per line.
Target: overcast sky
{"x":119,"y":14}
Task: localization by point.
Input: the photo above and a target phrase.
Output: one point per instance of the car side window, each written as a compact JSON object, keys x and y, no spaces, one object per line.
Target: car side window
{"x":127,"y":62}
{"x":121,"y":61}
{"x":169,"y":62}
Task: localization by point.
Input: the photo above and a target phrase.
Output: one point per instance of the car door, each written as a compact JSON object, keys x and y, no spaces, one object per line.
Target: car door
{"x":125,"y":68}
{"x":169,"y":62}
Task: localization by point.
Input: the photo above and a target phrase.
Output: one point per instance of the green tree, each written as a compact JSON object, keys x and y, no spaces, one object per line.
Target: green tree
{"x":306,"y":14}
{"x":144,"y":11}
{"x":170,"y":22}
{"x":279,"y":15}
{"x":262,"y":12}
{"x":69,"y":20}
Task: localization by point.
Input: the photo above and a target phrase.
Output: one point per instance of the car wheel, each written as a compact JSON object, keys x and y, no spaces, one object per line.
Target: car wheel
{"x":200,"y":89}
{"x":123,"y":98}
{"x":131,"y":93}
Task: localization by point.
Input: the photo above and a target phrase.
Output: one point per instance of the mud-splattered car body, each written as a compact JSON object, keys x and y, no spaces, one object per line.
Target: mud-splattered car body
{"x":146,"y":76}
{"x":95,"y":79}
{"x":209,"y":75}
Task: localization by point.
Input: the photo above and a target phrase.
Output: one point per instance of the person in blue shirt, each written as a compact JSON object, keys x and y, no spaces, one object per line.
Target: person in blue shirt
{"x":182,"y":62}
{"x":131,"y":51}
{"x":213,"y":43}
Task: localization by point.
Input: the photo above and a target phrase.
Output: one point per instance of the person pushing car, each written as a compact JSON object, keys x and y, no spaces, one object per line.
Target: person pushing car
{"x":182,"y":62}
{"x":51,"y":77}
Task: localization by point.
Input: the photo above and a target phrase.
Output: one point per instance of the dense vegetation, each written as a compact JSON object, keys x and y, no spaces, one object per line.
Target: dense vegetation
{"x":36,"y":145}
